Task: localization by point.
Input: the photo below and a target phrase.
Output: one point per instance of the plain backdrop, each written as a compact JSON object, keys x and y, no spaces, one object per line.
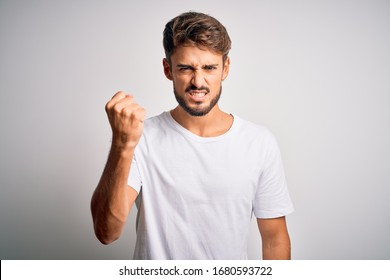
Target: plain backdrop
{"x":316,"y":73}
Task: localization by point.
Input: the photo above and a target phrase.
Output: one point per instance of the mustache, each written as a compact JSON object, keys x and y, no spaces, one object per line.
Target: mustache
{"x":202,"y":88}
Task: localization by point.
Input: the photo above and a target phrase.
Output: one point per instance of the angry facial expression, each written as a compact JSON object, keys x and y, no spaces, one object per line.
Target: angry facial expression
{"x":197,"y":76}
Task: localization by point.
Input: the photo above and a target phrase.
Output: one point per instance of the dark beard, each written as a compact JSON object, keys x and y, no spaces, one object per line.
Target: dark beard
{"x":197,"y":111}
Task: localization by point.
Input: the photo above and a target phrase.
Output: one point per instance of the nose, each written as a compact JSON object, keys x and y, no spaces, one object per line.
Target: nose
{"x":198,"y":79}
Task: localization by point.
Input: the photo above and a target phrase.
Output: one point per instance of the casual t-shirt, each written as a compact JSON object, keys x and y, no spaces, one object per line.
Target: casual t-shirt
{"x":197,"y":195}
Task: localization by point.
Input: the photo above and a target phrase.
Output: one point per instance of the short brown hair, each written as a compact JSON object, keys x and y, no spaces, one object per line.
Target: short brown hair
{"x":196,"y":29}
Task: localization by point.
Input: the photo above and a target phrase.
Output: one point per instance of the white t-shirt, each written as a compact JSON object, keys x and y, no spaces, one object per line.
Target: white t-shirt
{"x":197,"y":194}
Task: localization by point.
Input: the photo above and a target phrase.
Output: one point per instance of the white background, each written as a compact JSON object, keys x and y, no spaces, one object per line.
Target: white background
{"x":316,"y":73}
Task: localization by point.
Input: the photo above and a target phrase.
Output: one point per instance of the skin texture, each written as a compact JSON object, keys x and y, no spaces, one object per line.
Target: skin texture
{"x":112,"y":200}
{"x":275,"y":239}
{"x":197,"y":76}
{"x":194,"y":68}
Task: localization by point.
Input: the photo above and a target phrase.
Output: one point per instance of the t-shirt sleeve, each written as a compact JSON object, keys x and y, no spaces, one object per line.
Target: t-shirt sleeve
{"x":272,"y":198}
{"x":134,"y":180}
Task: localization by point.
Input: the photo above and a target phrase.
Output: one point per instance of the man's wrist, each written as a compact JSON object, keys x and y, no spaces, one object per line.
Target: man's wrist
{"x":121,"y":149}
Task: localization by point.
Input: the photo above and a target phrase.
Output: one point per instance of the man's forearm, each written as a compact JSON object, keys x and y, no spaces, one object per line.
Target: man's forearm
{"x":278,"y":249}
{"x":110,"y":203}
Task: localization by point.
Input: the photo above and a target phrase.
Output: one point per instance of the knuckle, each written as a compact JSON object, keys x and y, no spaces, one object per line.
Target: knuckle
{"x":127,"y":111}
{"x":120,"y":94}
{"x":108,"y":106}
{"x":139,"y":114}
{"x":117,"y":108}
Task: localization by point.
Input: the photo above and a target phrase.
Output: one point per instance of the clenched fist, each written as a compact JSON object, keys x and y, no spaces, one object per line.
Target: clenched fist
{"x":126,"y":120}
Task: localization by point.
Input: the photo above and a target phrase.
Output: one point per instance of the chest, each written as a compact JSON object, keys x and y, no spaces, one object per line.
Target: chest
{"x":201,"y":171}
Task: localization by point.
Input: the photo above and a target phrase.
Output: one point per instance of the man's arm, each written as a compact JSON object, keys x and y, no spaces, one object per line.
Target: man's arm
{"x":113,"y":198}
{"x":275,"y":239}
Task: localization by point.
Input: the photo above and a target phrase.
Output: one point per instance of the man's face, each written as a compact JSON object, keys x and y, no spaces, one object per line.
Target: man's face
{"x":197,"y":76}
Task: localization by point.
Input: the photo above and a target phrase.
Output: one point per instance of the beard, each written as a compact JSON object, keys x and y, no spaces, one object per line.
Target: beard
{"x":198,"y":110}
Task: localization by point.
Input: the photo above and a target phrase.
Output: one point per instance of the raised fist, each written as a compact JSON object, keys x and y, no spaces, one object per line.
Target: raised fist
{"x":126,"y":120}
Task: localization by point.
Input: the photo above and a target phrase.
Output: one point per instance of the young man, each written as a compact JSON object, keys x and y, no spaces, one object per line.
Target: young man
{"x":196,"y":173}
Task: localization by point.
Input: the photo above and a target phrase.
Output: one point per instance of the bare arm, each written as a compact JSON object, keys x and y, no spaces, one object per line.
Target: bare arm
{"x":275,"y":239}
{"x":113,"y":198}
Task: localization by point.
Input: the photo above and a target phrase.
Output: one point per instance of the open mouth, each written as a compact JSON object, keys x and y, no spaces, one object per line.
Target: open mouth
{"x":197,"y":96}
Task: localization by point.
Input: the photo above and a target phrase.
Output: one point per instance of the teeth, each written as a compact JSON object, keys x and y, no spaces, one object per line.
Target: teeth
{"x":198,"y":94}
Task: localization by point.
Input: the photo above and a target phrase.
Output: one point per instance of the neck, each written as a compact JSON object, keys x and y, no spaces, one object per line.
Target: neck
{"x":215,"y":123}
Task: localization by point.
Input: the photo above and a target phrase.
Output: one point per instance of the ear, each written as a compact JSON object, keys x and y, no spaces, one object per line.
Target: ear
{"x":226,"y":67}
{"x":167,"y":69}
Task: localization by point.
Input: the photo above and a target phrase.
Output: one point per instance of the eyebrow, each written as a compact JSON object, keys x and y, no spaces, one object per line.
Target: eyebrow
{"x":203,"y":66}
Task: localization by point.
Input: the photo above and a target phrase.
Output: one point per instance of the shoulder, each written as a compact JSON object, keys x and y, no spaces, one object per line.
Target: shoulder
{"x":256,"y":137}
{"x":156,"y":122}
{"x":252,"y":130}
{"x":157,"y":126}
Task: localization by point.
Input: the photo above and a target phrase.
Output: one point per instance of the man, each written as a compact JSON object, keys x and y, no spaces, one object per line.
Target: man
{"x":196,"y":173}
